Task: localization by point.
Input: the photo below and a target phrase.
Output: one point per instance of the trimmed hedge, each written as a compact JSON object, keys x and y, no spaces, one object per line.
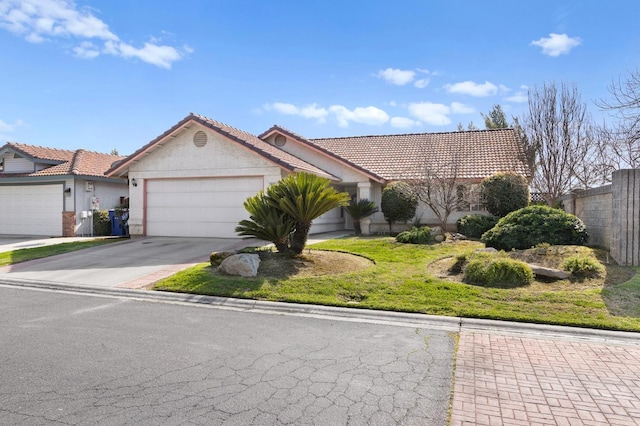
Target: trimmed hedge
{"x":533,"y":225}
{"x":415,"y":235}
{"x":503,"y":193}
{"x":474,"y":225}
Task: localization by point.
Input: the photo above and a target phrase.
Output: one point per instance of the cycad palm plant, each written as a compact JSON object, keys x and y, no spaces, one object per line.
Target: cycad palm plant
{"x":266,"y":223}
{"x":358,"y":210}
{"x":304,"y":197}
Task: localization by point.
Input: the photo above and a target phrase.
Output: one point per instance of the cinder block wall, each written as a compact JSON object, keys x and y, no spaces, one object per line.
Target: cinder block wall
{"x":593,"y":207}
{"x":625,"y":235}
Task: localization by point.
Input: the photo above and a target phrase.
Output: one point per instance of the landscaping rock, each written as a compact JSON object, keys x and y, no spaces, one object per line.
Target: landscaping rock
{"x":436,"y":231}
{"x":488,"y":250}
{"x":549,"y":272}
{"x":243,"y":264}
{"x":439,"y":238}
{"x":456,"y":236}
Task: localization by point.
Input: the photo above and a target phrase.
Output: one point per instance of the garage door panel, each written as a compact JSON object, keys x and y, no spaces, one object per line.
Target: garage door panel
{"x":31,"y":210}
{"x":198,"y":207}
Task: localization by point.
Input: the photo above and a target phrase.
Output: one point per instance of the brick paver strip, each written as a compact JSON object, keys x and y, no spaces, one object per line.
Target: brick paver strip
{"x":515,"y":380}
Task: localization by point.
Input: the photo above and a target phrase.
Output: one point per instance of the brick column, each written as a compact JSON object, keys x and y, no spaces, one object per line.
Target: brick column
{"x":68,"y":224}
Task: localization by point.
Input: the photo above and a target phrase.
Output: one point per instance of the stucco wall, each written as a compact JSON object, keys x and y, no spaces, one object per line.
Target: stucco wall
{"x":322,"y":161}
{"x":180,"y":158}
{"x":108,"y":193}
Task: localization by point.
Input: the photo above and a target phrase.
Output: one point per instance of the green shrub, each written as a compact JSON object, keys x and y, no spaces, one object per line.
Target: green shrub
{"x":504,"y":193}
{"x":474,"y":225}
{"x":497,"y":271}
{"x":399,"y":202}
{"x":528,"y":227}
{"x":415,"y":236}
{"x":216,"y":257}
{"x":101,"y":223}
{"x":583,"y":266}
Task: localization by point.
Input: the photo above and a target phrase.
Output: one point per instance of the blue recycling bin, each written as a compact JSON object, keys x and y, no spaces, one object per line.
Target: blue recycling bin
{"x":117,"y":228}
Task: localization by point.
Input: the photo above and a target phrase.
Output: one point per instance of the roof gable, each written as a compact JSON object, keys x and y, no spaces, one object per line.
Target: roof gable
{"x":63,"y":162}
{"x":245,"y":139}
{"x":327,"y":153}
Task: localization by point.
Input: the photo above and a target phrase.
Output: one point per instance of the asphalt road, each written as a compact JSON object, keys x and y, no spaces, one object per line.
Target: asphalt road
{"x":88,"y":359}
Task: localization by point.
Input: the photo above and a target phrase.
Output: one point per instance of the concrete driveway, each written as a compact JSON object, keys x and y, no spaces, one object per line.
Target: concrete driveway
{"x":131,"y":263}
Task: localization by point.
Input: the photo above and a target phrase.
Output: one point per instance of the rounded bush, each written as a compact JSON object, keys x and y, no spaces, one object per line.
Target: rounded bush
{"x":415,"y":236}
{"x":533,"y":225}
{"x":399,"y":202}
{"x":503,"y":193}
{"x":474,"y":225}
{"x":583,"y":266}
{"x":497,"y":272}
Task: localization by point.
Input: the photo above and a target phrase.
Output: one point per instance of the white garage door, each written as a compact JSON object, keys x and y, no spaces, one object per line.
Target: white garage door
{"x":198,"y":207}
{"x":31,"y":210}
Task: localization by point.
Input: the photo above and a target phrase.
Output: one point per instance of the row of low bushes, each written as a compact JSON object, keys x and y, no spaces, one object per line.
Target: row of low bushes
{"x":499,"y":270}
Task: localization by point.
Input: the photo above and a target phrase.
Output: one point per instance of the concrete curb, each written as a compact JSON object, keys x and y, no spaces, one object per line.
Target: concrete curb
{"x":349,"y":314}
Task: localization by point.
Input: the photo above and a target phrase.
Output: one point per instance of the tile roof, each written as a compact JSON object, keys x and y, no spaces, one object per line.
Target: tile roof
{"x":479,"y":153}
{"x":64,"y":162}
{"x":266,"y":150}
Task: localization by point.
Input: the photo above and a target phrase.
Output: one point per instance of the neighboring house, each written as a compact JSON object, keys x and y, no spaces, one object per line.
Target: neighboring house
{"x":49,"y":192}
{"x":193,"y":179}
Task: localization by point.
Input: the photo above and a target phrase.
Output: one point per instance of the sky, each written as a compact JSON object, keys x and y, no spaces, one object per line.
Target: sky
{"x":104,"y":75}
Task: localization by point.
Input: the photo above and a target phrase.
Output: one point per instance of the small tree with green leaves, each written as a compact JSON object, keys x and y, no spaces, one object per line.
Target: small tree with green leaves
{"x":399,"y":203}
{"x":288,"y":208}
{"x":358,"y":210}
{"x":505,"y":192}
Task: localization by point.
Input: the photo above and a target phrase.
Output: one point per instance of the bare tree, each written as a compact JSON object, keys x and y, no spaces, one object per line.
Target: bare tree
{"x":440,"y":187}
{"x":621,"y":147}
{"x":556,"y":128}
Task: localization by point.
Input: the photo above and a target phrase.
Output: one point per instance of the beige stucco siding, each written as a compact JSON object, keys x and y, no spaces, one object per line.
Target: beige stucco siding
{"x":178,"y":157}
{"x":322,"y":161}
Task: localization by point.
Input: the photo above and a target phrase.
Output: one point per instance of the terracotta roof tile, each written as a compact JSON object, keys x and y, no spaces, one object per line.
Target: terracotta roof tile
{"x":481,"y":153}
{"x":79,"y":162}
{"x":272,"y":153}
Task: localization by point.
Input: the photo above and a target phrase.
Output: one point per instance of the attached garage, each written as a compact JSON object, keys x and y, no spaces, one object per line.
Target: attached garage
{"x":31,"y":209}
{"x":198,"y":207}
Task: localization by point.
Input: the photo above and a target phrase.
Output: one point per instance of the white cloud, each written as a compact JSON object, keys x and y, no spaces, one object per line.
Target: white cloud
{"x":404,"y":123}
{"x":308,"y":111}
{"x":430,"y":113}
{"x":422,"y":83}
{"x":472,"y":88}
{"x":460,"y":108}
{"x":520,"y":96}
{"x":365,"y":115}
{"x":438,"y":114}
{"x":397,"y":76}
{"x":86,"y":49}
{"x":8,"y":127}
{"x":42,"y":20}
{"x":557,"y":44}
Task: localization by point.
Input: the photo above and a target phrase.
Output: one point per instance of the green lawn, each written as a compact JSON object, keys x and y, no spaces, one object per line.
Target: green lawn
{"x":399,"y":281}
{"x":22,"y":255}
